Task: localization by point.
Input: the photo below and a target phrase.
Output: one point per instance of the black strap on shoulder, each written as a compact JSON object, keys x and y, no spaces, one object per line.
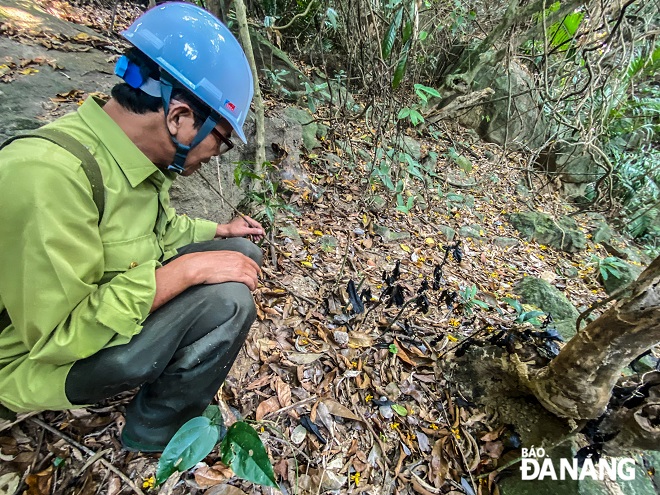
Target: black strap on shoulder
{"x":76,"y":148}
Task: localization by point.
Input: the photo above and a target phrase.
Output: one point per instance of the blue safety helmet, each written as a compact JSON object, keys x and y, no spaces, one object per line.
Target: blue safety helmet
{"x":198,"y":53}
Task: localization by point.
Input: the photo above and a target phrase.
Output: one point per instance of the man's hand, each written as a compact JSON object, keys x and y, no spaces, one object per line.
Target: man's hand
{"x":216,"y":267}
{"x":241,"y":226}
{"x":204,"y":267}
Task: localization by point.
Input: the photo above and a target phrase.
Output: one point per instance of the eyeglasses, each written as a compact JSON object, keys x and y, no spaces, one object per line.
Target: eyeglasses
{"x":225,"y":142}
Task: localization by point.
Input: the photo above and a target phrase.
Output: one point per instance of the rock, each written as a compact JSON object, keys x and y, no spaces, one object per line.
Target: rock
{"x":340,"y":337}
{"x":548,"y":298}
{"x":377,"y":203}
{"x":291,"y":232}
{"x":448,"y":232}
{"x":599,"y":228}
{"x":309,"y":126}
{"x":563,"y":235}
{"x":389,"y":235}
{"x":628,"y":274}
{"x":505,"y":242}
{"x":470,"y":231}
{"x":494,"y":120}
{"x":412,"y":147}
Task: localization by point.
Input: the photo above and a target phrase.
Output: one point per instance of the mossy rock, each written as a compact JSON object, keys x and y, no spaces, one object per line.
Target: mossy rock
{"x":627,"y":274}
{"x":539,"y":293}
{"x":564,"y":234}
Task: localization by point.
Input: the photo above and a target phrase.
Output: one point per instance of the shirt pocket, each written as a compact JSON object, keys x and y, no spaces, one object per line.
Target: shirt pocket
{"x":121,"y":256}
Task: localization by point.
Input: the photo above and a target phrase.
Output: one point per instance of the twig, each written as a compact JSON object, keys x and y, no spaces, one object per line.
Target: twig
{"x":287,"y":408}
{"x":222,"y":197}
{"x":89,"y":452}
{"x":19,"y":419}
{"x":287,"y":25}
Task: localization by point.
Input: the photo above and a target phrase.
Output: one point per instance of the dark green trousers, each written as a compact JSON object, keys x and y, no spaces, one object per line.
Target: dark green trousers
{"x":179,"y":359}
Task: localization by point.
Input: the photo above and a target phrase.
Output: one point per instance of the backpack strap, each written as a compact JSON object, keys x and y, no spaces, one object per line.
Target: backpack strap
{"x":89,"y":164}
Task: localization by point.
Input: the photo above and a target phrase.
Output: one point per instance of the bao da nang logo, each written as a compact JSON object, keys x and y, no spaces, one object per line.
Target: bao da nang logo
{"x":536,"y":466}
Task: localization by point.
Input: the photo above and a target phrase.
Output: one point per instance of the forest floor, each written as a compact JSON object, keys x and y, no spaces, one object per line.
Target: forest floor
{"x":372,"y":382}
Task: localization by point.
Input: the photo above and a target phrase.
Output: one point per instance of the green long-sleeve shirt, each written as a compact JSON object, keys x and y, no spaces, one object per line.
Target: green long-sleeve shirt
{"x":71,"y":286}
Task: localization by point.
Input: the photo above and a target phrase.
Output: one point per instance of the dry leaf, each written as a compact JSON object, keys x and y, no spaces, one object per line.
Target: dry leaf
{"x":303,"y":357}
{"x":338,"y":410}
{"x":224,"y":490}
{"x":283,"y":392}
{"x":267,"y":406}
{"x":357,"y":339}
{"x":208,"y":476}
{"x":402,"y":355}
{"x":39,"y":483}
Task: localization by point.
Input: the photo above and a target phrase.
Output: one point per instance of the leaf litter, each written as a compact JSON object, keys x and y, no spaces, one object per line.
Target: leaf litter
{"x":342,"y":371}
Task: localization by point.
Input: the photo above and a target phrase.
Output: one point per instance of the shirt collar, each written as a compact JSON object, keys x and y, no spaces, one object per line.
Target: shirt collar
{"x":133,"y":163}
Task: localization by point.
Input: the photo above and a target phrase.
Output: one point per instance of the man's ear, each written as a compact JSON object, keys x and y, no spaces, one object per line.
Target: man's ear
{"x":177,"y":116}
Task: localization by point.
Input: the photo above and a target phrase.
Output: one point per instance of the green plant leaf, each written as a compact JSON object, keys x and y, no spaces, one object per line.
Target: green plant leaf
{"x":393,"y":348}
{"x":407,"y":32}
{"x":529,"y":315}
{"x":403,"y":113}
{"x":514,"y":303}
{"x":215,"y":416}
{"x":332,"y":17}
{"x":390,"y":36}
{"x":400,"y":410}
{"x":194,"y":440}
{"x":481,"y":304}
{"x":416,"y":117}
{"x":243,"y":451}
{"x":401,"y":65}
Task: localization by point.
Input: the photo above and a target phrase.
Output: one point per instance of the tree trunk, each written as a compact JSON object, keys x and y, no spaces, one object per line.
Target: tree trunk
{"x":579,"y":381}
{"x":244,"y":33}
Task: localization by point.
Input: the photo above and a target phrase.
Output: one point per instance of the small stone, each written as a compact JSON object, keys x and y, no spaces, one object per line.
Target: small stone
{"x":340,"y":337}
{"x":504,"y":242}
{"x":389,"y":235}
{"x":298,"y":434}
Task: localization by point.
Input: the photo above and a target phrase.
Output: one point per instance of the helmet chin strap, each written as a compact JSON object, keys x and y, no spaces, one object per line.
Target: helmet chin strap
{"x":182,"y":150}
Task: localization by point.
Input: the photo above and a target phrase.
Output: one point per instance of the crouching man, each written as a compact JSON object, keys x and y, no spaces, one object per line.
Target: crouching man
{"x":103,"y":288}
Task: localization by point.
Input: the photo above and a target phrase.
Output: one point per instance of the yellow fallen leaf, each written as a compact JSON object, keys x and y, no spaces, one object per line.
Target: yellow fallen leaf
{"x":307,"y":264}
{"x":318,"y":232}
{"x":28,"y":71}
{"x":405,"y":248}
{"x":452,"y":338}
{"x":429,"y":241}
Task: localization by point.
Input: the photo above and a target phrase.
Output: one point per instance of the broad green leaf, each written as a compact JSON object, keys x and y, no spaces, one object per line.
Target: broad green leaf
{"x":215,"y":416}
{"x":400,"y":410}
{"x":420,"y":89}
{"x":390,"y":36}
{"x":407,"y":32}
{"x":188,"y":446}
{"x":403,"y":113}
{"x":393,"y":348}
{"x":243,"y":451}
{"x":423,"y":35}
{"x":530,"y":315}
{"x":562,"y":32}
{"x":332,"y":17}
{"x":514,"y":303}
{"x":401,"y":65}
{"x":481,"y":304}
{"x":416,"y":117}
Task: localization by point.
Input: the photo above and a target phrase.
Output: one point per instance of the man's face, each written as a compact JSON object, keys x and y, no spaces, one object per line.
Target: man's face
{"x":216,"y":143}
{"x":212,"y":145}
